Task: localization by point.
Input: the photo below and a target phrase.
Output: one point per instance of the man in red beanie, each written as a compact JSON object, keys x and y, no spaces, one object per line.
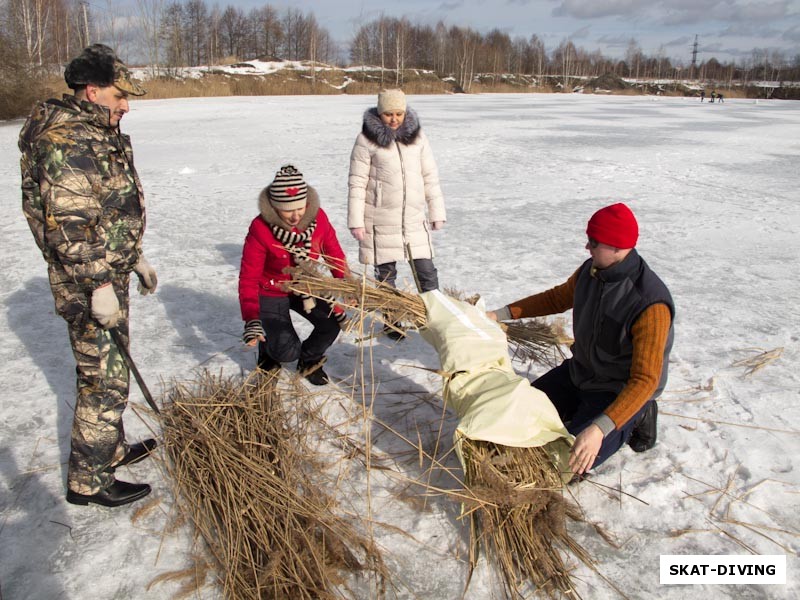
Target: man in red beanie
{"x":623,"y":328}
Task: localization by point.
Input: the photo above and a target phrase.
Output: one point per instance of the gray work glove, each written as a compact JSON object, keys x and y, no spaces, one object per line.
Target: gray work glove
{"x":253,"y":332}
{"x":105,"y":306}
{"x":148,"y":280}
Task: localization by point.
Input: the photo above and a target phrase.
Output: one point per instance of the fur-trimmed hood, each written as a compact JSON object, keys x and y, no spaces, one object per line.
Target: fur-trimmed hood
{"x":383,"y":135}
{"x":271,"y":216}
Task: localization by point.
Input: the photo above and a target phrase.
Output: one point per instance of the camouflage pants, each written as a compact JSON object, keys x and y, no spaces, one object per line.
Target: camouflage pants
{"x":98,"y":436}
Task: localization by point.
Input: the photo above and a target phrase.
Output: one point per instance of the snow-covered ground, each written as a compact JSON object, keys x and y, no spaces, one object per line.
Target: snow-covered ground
{"x":715,"y":188}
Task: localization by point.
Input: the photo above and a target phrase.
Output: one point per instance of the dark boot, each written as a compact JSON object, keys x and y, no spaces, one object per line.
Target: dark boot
{"x":643,"y":436}
{"x":117,"y":494}
{"x":266,"y":362}
{"x":313,"y":372}
{"x":394,"y":331}
{"x":137,"y":452}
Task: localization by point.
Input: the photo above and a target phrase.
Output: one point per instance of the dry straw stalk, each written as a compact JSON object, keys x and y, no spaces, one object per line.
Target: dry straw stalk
{"x":245,"y":476}
{"x":518,"y":513}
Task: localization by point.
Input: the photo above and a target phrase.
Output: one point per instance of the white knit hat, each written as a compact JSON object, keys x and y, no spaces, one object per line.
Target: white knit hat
{"x":389,"y":100}
{"x":288,"y":191}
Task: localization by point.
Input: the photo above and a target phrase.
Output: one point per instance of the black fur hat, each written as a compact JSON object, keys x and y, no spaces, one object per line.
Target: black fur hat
{"x":98,"y":65}
{"x":94,"y":65}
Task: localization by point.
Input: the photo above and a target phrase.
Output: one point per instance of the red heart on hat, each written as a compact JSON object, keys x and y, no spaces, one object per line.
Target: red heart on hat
{"x":292,"y":191}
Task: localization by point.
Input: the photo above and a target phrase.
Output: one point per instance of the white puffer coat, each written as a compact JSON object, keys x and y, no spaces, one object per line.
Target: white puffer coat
{"x":393,"y":182}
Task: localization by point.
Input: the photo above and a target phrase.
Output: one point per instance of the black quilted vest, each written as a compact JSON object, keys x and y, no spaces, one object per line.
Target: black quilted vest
{"x":607,"y":304}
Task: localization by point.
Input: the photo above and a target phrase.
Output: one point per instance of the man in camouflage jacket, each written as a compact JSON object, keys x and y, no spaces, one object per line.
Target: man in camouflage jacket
{"x":84,"y":203}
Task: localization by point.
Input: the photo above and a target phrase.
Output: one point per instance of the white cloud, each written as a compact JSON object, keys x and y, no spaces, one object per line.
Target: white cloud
{"x":593,"y":9}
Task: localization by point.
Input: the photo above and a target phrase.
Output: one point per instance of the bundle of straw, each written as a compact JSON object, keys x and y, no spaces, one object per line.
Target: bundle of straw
{"x":243,"y":473}
{"x":535,"y":340}
{"x":374,"y":297}
{"x":517,"y":509}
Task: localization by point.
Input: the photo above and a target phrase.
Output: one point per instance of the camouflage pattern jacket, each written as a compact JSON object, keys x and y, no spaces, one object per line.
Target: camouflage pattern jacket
{"x":80,"y":192}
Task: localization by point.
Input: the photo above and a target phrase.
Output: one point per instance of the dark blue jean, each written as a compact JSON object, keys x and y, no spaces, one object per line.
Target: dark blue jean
{"x":426,"y":273}
{"x":578,"y":408}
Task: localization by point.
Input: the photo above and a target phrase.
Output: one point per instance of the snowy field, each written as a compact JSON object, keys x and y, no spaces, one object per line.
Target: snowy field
{"x":715,"y":189}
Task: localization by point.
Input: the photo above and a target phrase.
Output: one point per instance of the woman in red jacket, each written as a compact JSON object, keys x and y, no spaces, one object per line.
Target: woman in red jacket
{"x":290,"y":228}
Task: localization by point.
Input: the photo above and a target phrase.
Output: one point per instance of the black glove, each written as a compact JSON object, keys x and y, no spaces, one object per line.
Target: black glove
{"x":253,"y":331}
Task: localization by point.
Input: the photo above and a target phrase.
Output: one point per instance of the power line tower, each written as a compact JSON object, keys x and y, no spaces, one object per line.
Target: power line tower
{"x":694,"y":55}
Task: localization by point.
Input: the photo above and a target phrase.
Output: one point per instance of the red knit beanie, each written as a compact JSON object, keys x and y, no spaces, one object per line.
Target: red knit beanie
{"x":615,"y":226}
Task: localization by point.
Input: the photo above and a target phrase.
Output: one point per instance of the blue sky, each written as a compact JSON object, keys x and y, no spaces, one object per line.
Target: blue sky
{"x":727,"y":29}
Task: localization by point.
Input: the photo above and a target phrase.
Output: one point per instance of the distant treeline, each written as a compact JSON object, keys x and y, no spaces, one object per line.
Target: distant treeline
{"x":37,"y":37}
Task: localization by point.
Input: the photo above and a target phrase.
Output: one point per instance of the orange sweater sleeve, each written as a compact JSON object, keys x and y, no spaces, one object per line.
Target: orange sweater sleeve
{"x":650,"y":333}
{"x":553,"y":301}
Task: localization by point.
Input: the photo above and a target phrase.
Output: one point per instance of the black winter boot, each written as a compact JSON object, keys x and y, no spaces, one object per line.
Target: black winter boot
{"x":643,"y":436}
{"x":266,"y":362}
{"x":313,"y":372}
{"x":394,"y":331}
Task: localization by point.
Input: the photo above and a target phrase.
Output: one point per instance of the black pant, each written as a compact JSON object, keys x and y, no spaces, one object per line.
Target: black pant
{"x":578,"y":408}
{"x":283,"y":343}
{"x":426,"y":273}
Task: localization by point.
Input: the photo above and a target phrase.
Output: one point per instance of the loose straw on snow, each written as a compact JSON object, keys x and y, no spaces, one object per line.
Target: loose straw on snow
{"x":243,"y":474}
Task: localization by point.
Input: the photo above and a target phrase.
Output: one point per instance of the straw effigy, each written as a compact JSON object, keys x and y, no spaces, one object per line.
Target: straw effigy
{"x":246,"y":477}
{"x":513,"y":495}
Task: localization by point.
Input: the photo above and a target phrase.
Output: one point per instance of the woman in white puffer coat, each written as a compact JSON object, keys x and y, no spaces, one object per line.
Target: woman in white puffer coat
{"x":394,"y":196}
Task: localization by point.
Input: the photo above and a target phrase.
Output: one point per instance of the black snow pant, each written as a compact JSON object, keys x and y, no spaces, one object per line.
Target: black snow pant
{"x":283,"y":344}
{"x":578,"y":408}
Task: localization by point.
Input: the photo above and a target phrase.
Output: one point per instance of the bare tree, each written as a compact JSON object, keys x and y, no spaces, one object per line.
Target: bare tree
{"x":172,"y":34}
{"x":295,"y":42}
{"x":634,"y":57}
{"x":269,"y":32}
{"x":150,"y":13}
{"x":31,"y":19}
{"x":464,"y":44}
{"x":565,"y":57}
{"x":232,"y":30}
{"x":195,"y":30}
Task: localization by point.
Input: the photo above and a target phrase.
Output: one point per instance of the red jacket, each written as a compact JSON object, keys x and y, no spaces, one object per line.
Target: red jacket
{"x":264,"y":258}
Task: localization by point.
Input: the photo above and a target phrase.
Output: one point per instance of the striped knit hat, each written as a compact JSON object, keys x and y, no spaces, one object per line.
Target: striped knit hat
{"x":288,"y":191}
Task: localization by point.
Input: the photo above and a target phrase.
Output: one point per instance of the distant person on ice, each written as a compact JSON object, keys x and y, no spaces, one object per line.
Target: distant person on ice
{"x":623,"y":328}
{"x":702,"y":95}
{"x":84,"y":203}
{"x":394,"y":198}
{"x":291,"y":227}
